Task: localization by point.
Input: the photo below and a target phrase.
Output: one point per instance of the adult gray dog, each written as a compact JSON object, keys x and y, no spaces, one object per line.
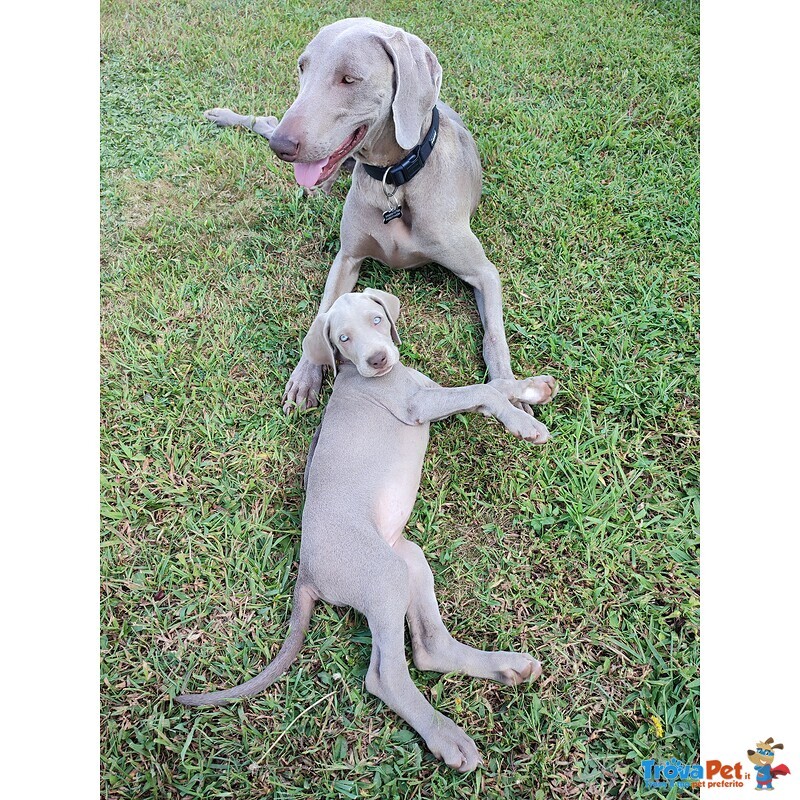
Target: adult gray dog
{"x":369,"y":91}
{"x":362,"y":479}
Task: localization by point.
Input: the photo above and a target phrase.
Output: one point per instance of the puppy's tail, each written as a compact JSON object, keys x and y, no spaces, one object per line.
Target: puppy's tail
{"x":298,"y":625}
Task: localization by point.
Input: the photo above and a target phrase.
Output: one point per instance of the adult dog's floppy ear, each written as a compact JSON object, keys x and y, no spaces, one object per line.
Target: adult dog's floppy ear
{"x":391,"y":305}
{"x":417,"y":78}
{"x":317,"y":345}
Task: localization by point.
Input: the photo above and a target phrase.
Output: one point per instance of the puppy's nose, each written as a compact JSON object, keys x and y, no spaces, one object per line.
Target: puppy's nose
{"x":377,"y":360}
{"x":285,"y":147}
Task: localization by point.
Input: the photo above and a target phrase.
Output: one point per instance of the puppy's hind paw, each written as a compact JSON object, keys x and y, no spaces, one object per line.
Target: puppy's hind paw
{"x":450,"y":744}
{"x":520,"y":668}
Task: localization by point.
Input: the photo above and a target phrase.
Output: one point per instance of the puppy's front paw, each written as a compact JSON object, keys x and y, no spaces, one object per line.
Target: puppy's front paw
{"x":526,"y":427}
{"x":537,"y":391}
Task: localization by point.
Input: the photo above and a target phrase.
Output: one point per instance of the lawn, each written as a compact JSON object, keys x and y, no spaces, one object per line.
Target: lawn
{"x":583,"y":552}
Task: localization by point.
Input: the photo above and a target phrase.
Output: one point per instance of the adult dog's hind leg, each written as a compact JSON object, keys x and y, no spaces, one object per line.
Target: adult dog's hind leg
{"x":388,"y":677}
{"x":435,"y":649}
{"x":225,"y":118}
{"x":265,"y":126}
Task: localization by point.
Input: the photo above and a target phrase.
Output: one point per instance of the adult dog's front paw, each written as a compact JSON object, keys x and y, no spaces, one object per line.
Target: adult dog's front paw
{"x":536,"y":391}
{"x":302,"y":390}
{"x":450,"y":744}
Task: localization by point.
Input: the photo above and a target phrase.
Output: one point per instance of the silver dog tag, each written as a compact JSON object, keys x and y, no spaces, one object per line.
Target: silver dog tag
{"x":394,"y":212}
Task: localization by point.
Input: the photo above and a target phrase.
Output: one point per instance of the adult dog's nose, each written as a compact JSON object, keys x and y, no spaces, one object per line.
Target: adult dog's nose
{"x":285,"y":147}
{"x":377,"y":360}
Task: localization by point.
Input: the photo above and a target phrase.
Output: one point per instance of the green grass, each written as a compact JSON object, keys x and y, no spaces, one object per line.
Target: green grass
{"x":583,"y":552}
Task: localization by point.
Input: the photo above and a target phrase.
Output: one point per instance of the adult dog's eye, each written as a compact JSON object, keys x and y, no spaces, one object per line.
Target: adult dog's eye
{"x":348,"y":79}
{"x":376,"y":320}
{"x":344,"y":338}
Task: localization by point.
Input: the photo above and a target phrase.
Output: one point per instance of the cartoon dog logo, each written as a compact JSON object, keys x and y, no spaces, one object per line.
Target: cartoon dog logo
{"x":762,"y":757}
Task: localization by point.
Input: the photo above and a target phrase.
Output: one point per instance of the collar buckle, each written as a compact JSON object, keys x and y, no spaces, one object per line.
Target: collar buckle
{"x":408,"y":167}
{"x":405,"y":170}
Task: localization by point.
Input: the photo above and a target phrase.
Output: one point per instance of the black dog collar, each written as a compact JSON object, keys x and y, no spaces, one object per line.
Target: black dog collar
{"x":405,"y":170}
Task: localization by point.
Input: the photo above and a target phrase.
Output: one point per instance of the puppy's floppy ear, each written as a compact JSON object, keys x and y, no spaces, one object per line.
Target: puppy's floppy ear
{"x":418,"y":78}
{"x":391,"y":305}
{"x":317,"y":345}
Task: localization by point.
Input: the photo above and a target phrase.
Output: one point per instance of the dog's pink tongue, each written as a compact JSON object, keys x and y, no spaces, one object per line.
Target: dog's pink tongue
{"x":308,"y":174}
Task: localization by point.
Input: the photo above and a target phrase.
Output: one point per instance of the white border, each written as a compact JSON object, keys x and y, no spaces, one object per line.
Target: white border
{"x":749,"y":476}
{"x":50,"y":332}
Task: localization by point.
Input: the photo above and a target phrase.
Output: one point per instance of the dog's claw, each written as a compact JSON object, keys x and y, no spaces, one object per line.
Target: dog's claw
{"x":526,"y":407}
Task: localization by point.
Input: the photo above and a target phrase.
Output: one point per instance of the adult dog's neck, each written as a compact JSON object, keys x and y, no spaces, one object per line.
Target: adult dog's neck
{"x":380,"y":147}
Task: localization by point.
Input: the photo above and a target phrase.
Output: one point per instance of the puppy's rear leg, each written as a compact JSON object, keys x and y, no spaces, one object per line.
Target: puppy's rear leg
{"x":435,"y":649}
{"x":388,"y":676}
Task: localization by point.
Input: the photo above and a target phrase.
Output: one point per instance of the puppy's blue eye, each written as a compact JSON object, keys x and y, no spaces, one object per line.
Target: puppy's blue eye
{"x":376,"y":320}
{"x":344,"y":338}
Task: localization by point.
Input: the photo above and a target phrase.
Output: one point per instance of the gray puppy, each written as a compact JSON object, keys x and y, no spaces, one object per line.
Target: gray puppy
{"x":362,"y":480}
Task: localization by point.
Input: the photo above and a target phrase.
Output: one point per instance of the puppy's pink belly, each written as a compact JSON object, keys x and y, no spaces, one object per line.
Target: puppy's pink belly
{"x":393,"y":510}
